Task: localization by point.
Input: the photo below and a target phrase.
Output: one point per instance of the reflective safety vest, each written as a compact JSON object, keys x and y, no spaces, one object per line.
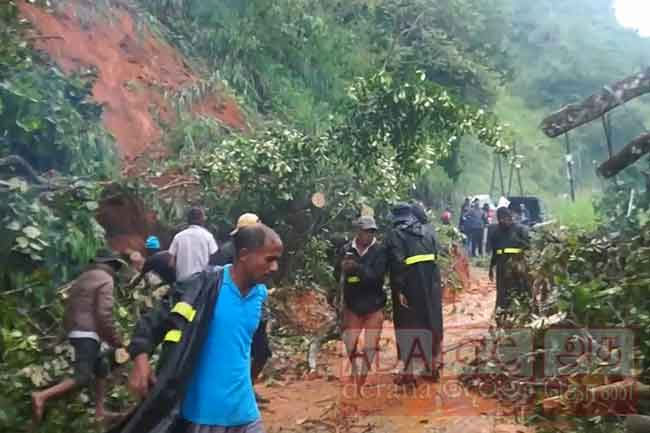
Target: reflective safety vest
{"x":509,"y":251}
{"x":420,"y":258}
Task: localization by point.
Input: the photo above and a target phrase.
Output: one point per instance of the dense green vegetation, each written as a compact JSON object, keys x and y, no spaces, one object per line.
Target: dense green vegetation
{"x":365,"y":101}
{"x":296,"y":58}
{"x":389,"y":125}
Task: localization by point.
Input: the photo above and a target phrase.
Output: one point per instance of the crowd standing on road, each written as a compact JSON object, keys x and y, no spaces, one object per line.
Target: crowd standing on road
{"x":212,"y":323}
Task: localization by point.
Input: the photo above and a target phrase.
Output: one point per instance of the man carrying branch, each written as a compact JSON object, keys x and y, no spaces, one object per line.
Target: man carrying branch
{"x":88,"y":321}
{"x":203,"y":382}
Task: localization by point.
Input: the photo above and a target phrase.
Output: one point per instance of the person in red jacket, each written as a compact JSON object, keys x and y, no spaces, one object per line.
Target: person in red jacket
{"x":88,"y":320}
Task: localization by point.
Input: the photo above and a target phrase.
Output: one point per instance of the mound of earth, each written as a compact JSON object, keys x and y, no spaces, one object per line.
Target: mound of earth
{"x":135,"y":69}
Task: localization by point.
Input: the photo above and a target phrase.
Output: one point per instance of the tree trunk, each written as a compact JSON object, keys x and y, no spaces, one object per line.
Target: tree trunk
{"x":631,"y":153}
{"x":573,"y":115}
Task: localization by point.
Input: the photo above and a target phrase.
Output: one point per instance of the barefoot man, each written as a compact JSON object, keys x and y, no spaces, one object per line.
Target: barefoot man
{"x":88,"y":321}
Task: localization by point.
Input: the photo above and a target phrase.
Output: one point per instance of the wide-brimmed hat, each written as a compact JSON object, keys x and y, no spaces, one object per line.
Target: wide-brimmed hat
{"x":245,"y":220}
{"x":107,"y":256}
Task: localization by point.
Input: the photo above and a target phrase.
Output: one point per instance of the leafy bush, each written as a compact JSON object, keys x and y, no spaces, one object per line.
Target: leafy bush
{"x":386,"y":133}
{"x":45,"y":117}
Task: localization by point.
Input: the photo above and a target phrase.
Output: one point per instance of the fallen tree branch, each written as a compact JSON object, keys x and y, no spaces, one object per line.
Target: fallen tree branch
{"x":45,"y":37}
{"x":177,"y":185}
{"x":327,"y":333}
{"x":627,"y":156}
{"x":19,"y":163}
{"x":609,"y":97}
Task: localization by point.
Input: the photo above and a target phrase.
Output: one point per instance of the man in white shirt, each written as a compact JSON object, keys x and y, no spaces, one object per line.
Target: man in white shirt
{"x":192,"y":249}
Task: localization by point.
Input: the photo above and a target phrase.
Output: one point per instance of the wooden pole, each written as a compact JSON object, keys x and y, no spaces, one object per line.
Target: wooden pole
{"x":608,"y":134}
{"x":518,"y":168}
{"x":512,"y":167}
{"x":503,"y":189}
{"x":569,"y":163}
{"x":494,"y":173}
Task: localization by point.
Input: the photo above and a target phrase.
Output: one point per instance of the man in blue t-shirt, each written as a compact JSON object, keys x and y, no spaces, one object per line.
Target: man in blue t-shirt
{"x":219,"y":396}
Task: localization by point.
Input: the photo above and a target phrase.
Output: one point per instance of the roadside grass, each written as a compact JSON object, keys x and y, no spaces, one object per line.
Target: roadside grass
{"x":579,"y":214}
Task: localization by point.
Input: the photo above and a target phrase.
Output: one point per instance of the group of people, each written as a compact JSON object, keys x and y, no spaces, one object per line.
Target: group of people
{"x":473,"y":223}
{"x":211,"y":324}
{"x":408,"y":254}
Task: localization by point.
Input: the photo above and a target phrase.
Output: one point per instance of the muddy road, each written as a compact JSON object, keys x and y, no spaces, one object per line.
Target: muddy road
{"x":326,"y":402}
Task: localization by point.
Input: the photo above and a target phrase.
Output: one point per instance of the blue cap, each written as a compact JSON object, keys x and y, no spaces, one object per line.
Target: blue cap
{"x":152,"y":243}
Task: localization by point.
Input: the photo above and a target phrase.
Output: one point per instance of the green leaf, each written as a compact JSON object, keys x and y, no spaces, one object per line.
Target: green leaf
{"x":122,"y":312}
{"x":22,"y":242}
{"x":14,"y":225}
{"x":32,"y":232}
{"x":92,"y":205}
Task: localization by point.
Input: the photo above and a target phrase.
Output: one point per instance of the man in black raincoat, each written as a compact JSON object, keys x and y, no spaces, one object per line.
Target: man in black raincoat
{"x":509,"y":241}
{"x":203,"y":383}
{"x":415,"y":282}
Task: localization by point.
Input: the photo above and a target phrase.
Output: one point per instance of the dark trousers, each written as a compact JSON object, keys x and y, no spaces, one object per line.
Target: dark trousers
{"x":88,"y":361}
{"x":477,"y":241}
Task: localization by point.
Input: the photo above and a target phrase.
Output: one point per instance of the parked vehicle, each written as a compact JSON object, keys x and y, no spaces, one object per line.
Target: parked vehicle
{"x":534,"y":205}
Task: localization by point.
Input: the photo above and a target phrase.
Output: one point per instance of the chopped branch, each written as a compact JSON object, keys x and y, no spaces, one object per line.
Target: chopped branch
{"x":631,"y":153}
{"x":608,"y":98}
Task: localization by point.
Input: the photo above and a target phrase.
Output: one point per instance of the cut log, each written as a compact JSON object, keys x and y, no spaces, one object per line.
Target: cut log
{"x":610,"y":97}
{"x":627,"y":156}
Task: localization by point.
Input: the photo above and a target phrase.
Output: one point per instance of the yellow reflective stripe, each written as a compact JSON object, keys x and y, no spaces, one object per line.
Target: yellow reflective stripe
{"x":509,"y":251}
{"x":173,"y":335}
{"x":185,"y":310}
{"x":354,"y":280}
{"x":420,"y":258}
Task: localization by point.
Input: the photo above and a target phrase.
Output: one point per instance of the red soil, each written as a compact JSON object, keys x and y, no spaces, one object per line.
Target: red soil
{"x":127,"y":222}
{"x":134,"y":70}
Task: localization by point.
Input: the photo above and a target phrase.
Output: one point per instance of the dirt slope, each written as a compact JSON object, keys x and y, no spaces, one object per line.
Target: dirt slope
{"x":134,"y":70}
